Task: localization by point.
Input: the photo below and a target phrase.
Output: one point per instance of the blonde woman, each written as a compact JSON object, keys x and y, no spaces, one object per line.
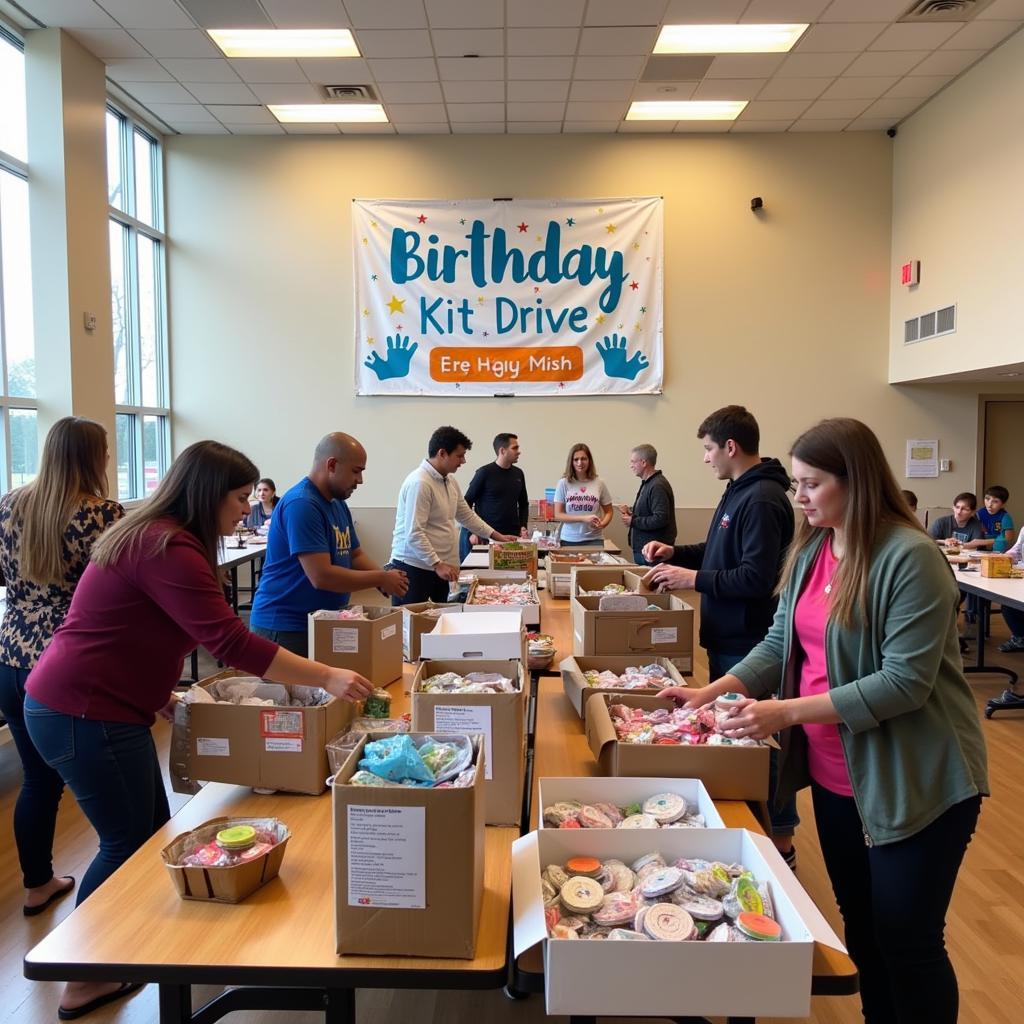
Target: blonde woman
{"x":583,"y":504}
{"x":47,"y":529}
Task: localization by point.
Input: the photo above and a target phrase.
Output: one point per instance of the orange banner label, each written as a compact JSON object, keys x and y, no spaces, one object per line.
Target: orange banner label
{"x":550,"y":363}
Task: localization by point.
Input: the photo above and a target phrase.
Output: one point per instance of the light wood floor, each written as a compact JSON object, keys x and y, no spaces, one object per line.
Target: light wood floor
{"x":985,"y":933}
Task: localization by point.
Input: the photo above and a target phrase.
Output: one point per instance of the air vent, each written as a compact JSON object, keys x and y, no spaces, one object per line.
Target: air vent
{"x":944,"y":10}
{"x":929,"y":325}
{"x":676,"y":69}
{"x":355,"y":93}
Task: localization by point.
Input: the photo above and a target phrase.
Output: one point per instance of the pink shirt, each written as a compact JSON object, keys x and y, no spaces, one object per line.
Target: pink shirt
{"x":825,"y":758}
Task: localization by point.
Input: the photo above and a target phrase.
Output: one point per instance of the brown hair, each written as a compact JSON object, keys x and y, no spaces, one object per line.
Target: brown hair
{"x":73,"y":467}
{"x":191,"y":494}
{"x":570,"y":469}
{"x":849,"y":450}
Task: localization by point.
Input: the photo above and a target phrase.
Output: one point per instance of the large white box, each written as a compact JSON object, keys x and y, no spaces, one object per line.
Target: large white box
{"x":493,"y":636}
{"x":623,"y":792}
{"x":670,"y":979}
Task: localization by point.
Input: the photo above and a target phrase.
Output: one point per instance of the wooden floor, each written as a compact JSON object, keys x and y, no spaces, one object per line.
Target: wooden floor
{"x":985,"y":933}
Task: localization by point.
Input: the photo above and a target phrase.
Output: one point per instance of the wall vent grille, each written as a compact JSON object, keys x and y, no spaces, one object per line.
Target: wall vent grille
{"x":929,"y":325}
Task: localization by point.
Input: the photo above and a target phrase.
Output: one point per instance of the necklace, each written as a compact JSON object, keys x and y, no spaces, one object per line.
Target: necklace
{"x":828,"y":586}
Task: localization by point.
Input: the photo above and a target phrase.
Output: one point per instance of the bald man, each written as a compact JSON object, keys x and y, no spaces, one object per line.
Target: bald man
{"x":313,"y":556}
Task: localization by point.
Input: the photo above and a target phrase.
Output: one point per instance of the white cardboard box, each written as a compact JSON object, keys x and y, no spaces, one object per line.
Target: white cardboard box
{"x":623,"y":792}
{"x":493,"y":636}
{"x":670,"y":979}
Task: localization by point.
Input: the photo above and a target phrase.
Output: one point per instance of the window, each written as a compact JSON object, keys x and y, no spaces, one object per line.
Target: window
{"x":19,"y":445}
{"x":137,"y":278}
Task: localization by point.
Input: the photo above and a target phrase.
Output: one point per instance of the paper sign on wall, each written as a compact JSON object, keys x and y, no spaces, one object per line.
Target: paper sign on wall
{"x":386,"y":857}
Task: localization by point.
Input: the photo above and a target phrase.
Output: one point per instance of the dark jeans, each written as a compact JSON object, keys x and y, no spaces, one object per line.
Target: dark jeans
{"x":596,"y":542}
{"x":113,"y":771}
{"x":784,"y":818}
{"x":464,"y":546}
{"x":35,"y":811}
{"x":893,"y":899}
{"x":424,"y":585}
{"x":297,"y":642}
{"x":1014,"y":619}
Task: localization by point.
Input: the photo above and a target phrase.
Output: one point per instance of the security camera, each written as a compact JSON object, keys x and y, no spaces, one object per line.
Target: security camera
{"x":891,"y":132}
{"x":757,"y":203}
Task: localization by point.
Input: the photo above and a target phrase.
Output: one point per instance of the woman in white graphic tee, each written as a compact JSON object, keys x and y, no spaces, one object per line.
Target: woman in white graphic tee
{"x":583,"y":503}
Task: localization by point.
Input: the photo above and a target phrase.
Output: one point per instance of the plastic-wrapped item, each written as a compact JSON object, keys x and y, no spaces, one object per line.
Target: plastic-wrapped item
{"x":227,"y":844}
{"x":378,"y":704}
{"x":396,"y":759}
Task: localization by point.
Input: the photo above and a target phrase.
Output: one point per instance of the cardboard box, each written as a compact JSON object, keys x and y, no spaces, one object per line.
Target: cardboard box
{"x":514,"y":556}
{"x":995,"y":566}
{"x":579,"y":693}
{"x":729,"y":773}
{"x":408,"y":866}
{"x":559,"y":572}
{"x":700,"y":979}
{"x":623,"y":792}
{"x":529,"y":610}
{"x":596,"y":577}
{"x":415,"y":624}
{"x":499,"y":717}
{"x":371,"y":646}
{"x":667,"y":632}
{"x":269,"y":748}
{"x":228,"y":884}
{"x":493,"y":636}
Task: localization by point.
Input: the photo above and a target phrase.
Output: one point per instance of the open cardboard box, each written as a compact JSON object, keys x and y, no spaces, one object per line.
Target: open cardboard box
{"x":670,"y":979}
{"x":494,"y":636}
{"x":623,"y":792}
{"x":530,"y":610}
{"x":579,"y":692}
{"x":729,"y":773}
{"x":415,"y":623}
{"x":371,"y":646}
{"x":665,"y":632}
{"x":560,"y":570}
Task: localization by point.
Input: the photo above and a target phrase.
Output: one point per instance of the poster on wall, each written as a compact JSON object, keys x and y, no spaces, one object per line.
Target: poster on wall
{"x":508,"y":297}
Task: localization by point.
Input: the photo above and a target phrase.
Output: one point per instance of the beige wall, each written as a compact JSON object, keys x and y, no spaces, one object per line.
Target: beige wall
{"x":958,"y":208}
{"x":786,"y":312}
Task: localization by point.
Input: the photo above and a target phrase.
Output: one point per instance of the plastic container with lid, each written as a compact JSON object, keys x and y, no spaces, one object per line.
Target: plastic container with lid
{"x":724,"y":707}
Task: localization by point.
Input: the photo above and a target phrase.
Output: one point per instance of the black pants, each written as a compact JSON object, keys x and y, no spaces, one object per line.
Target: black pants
{"x":424,"y":585}
{"x":893,"y":899}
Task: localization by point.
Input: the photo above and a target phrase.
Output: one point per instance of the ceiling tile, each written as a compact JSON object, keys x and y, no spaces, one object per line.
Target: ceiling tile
{"x":109,"y":44}
{"x":306,"y":13}
{"x":68,"y":14}
{"x":370,"y":128}
{"x":859,"y":88}
{"x":386,"y":14}
{"x":537,"y":91}
{"x":893,"y":107}
{"x":591,"y":127}
{"x":412,"y":92}
{"x":221,"y":92}
{"x":237,"y":114}
{"x":415,"y":69}
{"x":1008,"y":9}
{"x":336,"y":70}
{"x":730,"y":89}
{"x":540,"y":42}
{"x":220,"y":13}
{"x":773,"y":110}
{"x":534,"y":127}
{"x":814,"y":65}
{"x":948,"y":62}
{"x":657,"y":90}
{"x":184,"y":70}
{"x":202,"y":128}
{"x":433,"y":113}
{"x":579,"y":110}
{"x":486,"y":112}
{"x":794,"y":88}
{"x":535,"y":111}
{"x":159,"y":92}
{"x":915,"y":37}
{"x":864,"y":10}
{"x":705,"y":12}
{"x":254,"y":129}
{"x":822,"y":125}
{"x":703,"y":127}
{"x":836,"y":109}
{"x":483,"y":42}
{"x":981,"y":35}
{"x":545,"y":13}
{"x":415,"y":128}
{"x":311,"y":129}
{"x":605,"y":67}
{"x":479,"y":128}
{"x":132,"y":14}
{"x":145,"y":69}
{"x":745,"y":65}
{"x":173,"y":113}
{"x":615,"y":41}
{"x":465,"y":13}
{"x":176,"y":42}
{"x":268,"y":69}
{"x":394,"y":43}
{"x":646,"y":127}
{"x":616,"y":91}
{"x":919,"y":86}
{"x":879,"y":64}
{"x":540,"y":68}
{"x":473,"y":92}
{"x":287,"y":92}
{"x":787,"y":12}
{"x":869,"y":124}
{"x":839,"y":38}
{"x":470,"y":69}
{"x":760,"y":126}
{"x":614,"y":12}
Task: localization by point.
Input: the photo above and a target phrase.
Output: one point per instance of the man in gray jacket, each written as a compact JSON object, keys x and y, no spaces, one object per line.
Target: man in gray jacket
{"x":653,"y":515}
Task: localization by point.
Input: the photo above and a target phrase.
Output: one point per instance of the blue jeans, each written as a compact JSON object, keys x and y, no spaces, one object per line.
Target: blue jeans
{"x":35,"y":812}
{"x":295,"y":641}
{"x":113,"y":771}
{"x":784,"y":817}
{"x":1014,"y":620}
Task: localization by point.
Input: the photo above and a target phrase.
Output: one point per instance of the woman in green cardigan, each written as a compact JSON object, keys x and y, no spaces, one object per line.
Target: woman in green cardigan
{"x":874,"y":714}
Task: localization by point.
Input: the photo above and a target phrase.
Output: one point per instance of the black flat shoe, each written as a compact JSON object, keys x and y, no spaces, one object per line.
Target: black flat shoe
{"x":126,"y":989}
{"x":52,"y":898}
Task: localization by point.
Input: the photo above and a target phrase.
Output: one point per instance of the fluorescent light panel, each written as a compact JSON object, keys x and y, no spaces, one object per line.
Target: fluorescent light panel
{"x":685,"y":110}
{"x":328,"y":113}
{"x":728,"y":38}
{"x":244,"y":42}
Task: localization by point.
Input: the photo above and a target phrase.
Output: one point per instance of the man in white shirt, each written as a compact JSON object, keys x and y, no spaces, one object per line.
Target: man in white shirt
{"x":426,"y":541}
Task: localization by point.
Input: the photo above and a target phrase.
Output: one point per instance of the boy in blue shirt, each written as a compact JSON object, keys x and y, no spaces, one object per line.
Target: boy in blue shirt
{"x":996,"y":520}
{"x":313,"y":556}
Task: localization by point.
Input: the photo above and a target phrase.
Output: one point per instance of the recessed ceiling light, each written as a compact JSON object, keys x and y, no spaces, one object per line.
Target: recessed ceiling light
{"x":328,"y":113}
{"x":685,"y":110}
{"x":244,"y":42}
{"x":728,"y":38}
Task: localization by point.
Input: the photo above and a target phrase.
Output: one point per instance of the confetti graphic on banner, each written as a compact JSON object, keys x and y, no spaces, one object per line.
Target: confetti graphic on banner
{"x":525,"y":297}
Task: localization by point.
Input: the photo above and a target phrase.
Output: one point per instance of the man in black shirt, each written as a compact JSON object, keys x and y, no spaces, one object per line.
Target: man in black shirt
{"x":497,"y":493}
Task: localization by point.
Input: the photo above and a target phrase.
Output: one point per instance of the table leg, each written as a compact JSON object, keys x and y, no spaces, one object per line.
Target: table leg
{"x":175,"y":1004}
{"x":339,"y":1006}
{"x":1008,"y":700}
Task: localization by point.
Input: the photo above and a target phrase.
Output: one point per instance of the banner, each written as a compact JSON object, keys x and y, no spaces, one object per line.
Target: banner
{"x":518,"y":297}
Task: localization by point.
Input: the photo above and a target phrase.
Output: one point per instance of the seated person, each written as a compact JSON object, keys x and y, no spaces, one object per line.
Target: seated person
{"x":1014,"y":617}
{"x":260,"y":513}
{"x":911,"y":499}
{"x":996,"y":520}
{"x":961,"y":529}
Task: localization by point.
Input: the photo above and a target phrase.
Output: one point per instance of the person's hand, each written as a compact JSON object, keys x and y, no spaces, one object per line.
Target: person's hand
{"x":595,"y":521}
{"x":473,"y":540}
{"x":671,"y":577}
{"x":626,"y":514}
{"x":167,"y":711}
{"x":759,"y":719}
{"x":687,"y":698}
{"x":656,"y":551}
{"x":393,"y":582}
{"x":348,"y":685}
{"x":446,"y":571}
{"x":503,"y":537}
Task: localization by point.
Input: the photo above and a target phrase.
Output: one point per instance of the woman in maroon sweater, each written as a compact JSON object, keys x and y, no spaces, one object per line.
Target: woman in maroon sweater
{"x":150,"y":594}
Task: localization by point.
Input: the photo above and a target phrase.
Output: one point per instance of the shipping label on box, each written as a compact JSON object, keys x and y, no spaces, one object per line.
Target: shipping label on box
{"x":371,"y":646}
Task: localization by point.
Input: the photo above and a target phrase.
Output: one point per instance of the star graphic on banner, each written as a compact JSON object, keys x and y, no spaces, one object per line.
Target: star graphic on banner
{"x":373,"y":277}
{"x":610,"y":229}
{"x":600,"y":318}
{"x":634,"y":285}
{"x":561,"y":384}
{"x":366,"y":312}
{"x":396,"y":305}
{"x":487,"y":334}
{"x":535,"y":289}
{"x":522,"y":225}
{"x":600,"y":209}
{"x":366,"y":241}
{"x":373,"y":223}
{"x":648,"y":259}
{"x":422,"y":218}
{"x":399,"y":327}
{"x":462,"y":220}
{"x":620,"y":327}
{"x":458,"y":386}
{"x":570,"y":222}
{"x":480,"y":299}
{"x":636,"y":245}
{"x":539,"y":239}
{"x":636,"y":326}
{"x":643,"y":309}
{"x":369,"y":341}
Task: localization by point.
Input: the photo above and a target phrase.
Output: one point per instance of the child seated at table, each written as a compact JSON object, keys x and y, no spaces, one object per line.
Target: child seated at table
{"x":961,"y":529}
{"x":911,"y":499}
{"x":996,"y":519}
{"x":1014,"y":617}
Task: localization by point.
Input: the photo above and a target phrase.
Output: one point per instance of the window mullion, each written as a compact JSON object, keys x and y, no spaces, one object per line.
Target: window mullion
{"x":134,"y":346}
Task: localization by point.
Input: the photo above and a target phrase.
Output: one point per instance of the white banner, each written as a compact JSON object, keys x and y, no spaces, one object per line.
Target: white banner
{"x":523,"y":297}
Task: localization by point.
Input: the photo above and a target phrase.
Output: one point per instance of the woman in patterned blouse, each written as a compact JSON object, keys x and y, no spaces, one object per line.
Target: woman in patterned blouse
{"x":47,"y":529}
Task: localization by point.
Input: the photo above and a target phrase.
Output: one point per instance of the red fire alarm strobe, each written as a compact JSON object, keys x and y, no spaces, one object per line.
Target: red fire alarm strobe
{"x":910,"y":273}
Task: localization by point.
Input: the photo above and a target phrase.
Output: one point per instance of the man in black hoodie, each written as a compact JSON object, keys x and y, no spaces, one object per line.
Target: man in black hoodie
{"x":736,"y":568}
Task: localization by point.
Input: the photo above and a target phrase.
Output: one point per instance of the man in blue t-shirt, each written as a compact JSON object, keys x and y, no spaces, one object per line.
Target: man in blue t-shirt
{"x":313,"y":558}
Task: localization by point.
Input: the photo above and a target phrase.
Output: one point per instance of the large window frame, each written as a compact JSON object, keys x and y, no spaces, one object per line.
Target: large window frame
{"x":138,"y":256}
